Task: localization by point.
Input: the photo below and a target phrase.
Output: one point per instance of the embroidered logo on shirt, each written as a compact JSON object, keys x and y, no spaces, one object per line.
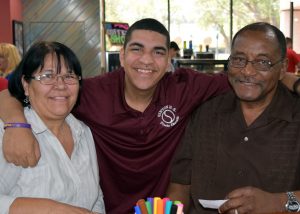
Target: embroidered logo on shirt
{"x":168,"y":116}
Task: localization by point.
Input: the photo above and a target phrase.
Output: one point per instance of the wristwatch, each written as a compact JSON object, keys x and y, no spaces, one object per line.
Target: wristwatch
{"x":292,"y":204}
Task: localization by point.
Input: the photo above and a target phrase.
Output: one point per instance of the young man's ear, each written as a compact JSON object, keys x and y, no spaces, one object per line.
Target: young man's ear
{"x":121,"y":56}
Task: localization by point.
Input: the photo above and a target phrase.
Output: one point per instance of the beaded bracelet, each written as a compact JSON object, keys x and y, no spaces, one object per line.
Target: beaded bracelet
{"x":17,"y":125}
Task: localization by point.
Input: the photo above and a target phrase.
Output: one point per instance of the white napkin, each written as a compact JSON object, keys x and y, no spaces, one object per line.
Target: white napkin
{"x":213,"y":204}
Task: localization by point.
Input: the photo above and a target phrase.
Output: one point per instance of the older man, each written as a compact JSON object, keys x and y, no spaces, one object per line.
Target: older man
{"x":244,"y":146}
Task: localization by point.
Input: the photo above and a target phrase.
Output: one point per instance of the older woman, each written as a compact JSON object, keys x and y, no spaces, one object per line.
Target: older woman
{"x":66,"y":179}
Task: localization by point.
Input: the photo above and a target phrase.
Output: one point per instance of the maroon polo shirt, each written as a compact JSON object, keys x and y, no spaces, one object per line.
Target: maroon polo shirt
{"x":135,"y":148}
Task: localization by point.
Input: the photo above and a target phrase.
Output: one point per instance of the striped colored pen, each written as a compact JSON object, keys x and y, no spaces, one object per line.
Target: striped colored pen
{"x":142,"y":205}
{"x":158,"y":205}
{"x":137,"y":210}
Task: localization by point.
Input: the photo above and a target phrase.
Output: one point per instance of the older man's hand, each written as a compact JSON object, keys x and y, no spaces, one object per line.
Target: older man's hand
{"x":253,"y":200}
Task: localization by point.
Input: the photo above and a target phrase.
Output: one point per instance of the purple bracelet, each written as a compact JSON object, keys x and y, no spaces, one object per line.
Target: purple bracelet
{"x":17,"y":125}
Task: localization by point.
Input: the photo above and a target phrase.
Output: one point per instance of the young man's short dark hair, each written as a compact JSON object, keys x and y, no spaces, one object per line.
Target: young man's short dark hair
{"x":147,"y":24}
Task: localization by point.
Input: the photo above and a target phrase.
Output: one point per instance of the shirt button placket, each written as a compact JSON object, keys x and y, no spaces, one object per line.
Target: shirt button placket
{"x":245,"y":140}
{"x":141,"y":121}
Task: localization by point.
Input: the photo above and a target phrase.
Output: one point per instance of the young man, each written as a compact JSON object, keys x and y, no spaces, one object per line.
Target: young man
{"x":244,"y":146}
{"x":137,"y":116}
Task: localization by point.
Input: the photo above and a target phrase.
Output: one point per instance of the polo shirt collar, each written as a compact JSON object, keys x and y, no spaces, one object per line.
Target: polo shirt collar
{"x":120,"y":105}
{"x":281,"y":106}
{"x":37,"y":125}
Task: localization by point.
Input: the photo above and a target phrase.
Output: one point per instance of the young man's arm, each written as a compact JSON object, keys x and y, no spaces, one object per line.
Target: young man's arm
{"x":19,"y":145}
{"x":44,"y":206}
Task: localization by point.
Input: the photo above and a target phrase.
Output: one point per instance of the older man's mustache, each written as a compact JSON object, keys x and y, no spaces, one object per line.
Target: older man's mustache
{"x":246,"y":80}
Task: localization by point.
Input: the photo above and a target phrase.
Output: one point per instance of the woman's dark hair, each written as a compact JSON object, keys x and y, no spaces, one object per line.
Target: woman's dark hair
{"x":33,"y":61}
{"x":265,"y":27}
{"x":147,"y":24}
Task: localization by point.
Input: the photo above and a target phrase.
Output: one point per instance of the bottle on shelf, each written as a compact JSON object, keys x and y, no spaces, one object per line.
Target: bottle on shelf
{"x":184,"y":44}
{"x":207,"y":48}
{"x":200,"y":48}
{"x":191,"y":44}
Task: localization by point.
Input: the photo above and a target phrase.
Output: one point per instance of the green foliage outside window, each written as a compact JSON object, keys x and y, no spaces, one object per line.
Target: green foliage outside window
{"x":202,"y":21}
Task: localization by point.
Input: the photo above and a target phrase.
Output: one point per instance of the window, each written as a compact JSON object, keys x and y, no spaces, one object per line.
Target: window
{"x":205,"y":23}
{"x":130,"y":11}
{"x":246,"y":12}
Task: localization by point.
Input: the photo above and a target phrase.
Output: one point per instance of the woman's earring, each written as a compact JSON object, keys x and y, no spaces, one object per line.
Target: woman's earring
{"x":26,"y":100}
